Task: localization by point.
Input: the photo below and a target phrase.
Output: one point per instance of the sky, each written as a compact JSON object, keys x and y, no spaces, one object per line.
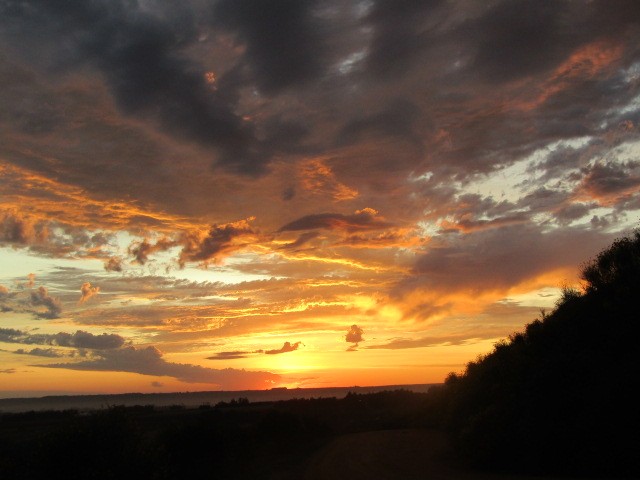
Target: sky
{"x":248,"y":194}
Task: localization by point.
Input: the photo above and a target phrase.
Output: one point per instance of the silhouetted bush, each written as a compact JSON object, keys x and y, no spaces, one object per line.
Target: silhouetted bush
{"x":559,"y":397}
{"x":235,"y":440}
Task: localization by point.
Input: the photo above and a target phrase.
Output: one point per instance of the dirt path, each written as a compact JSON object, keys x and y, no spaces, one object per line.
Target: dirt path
{"x":391,"y":455}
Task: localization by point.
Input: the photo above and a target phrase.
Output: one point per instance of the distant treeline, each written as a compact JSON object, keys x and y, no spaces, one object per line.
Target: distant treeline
{"x":188,"y":399}
{"x":230,"y":440}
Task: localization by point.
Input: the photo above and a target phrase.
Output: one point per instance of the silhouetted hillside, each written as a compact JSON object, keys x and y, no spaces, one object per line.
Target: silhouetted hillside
{"x":559,"y":397}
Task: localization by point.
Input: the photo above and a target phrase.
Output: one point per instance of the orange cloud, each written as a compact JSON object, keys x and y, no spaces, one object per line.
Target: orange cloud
{"x":365,"y":219}
{"x":216,"y":243}
{"x":113,"y":264}
{"x":49,"y":199}
{"x":585,"y":63}
{"x":317,"y":177}
{"x":141,"y":250}
{"x":19,"y":229}
{"x":87,"y":291}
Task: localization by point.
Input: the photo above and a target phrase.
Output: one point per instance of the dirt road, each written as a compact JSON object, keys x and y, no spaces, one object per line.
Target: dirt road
{"x":391,"y":455}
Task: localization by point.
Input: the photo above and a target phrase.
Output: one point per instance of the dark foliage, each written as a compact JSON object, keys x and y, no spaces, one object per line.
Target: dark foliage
{"x":560,"y":396}
{"x":234,"y":440}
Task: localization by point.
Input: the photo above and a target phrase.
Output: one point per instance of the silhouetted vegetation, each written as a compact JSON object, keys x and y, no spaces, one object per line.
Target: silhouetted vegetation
{"x":559,"y":397}
{"x":232,"y":440}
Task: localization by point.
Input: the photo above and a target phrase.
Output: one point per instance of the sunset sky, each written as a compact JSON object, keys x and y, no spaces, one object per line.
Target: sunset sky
{"x":247,"y":194}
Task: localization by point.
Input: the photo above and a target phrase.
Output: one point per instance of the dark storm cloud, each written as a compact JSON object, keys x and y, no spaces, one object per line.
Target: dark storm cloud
{"x":613,"y":21}
{"x":511,"y":39}
{"x":365,"y":219}
{"x":140,"y":53}
{"x":444,"y":59}
{"x":569,"y":89}
{"x":398,"y":119}
{"x":399,"y":34}
{"x":518,"y":37}
{"x":282,"y":39}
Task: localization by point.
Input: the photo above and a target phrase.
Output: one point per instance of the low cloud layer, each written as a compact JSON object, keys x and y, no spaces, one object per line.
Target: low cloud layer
{"x":79,"y":339}
{"x":366,"y":219}
{"x":41,"y":352}
{"x":236,"y":354}
{"x":149,"y":361}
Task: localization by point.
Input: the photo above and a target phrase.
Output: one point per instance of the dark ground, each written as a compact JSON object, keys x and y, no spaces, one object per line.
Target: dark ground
{"x":388,"y":435}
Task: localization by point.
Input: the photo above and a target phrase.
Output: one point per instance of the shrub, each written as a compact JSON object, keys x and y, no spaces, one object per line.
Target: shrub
{"x":559,"y":397}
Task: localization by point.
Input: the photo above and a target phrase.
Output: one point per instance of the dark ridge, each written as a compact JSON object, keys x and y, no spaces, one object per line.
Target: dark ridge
{"x":561,"y":396}
{"x":188,"y":399}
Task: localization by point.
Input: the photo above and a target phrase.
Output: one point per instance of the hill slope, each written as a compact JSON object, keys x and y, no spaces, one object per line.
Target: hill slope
{"x":559,"y":397}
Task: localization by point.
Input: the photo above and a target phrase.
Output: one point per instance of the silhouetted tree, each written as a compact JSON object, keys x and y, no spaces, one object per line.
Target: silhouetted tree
{"x":559,"y":397}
